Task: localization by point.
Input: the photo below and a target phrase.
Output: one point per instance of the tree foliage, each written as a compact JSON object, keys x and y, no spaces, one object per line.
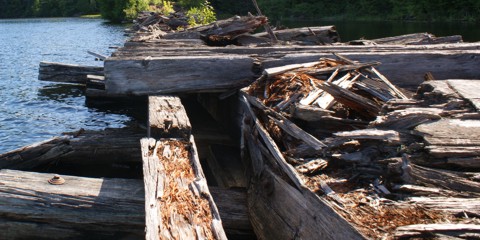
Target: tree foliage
{"x":46,"y":8}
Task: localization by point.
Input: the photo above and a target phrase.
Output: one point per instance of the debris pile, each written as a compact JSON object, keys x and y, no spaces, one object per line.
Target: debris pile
{"x":390,"y":164}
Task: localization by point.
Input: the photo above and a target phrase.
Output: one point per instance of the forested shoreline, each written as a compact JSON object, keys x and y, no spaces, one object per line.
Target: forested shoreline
{"x":119,"y":10}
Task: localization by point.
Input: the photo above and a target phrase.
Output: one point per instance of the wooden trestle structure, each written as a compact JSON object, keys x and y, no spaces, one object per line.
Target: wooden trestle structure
{"x":322,"y":140}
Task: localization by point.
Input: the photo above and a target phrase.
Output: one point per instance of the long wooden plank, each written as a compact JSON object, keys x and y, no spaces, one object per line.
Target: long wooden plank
{"x":63,"y":207}
{"x":178,"y":203}
{"x":160,"y":75}
{"x":81,"y":208}
{"x":467,"y":89}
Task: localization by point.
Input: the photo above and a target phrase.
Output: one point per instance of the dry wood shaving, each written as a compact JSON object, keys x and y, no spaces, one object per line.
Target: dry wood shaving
{"x":178,"y":199}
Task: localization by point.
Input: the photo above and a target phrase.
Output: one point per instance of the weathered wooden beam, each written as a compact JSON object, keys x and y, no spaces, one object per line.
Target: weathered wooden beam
{"x":92,"y":208}
{"x":81,"y":208}
{"x":444,"y":231}
{"x":160,"y":75}
{"x":167,"y":118}
{"x":178,"y":203}
{"x":312,"y":35}
{"x":67,"y":73}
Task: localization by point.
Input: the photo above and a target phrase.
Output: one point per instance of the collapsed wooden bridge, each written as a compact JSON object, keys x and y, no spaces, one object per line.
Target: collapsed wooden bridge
{"x":306,"y":128}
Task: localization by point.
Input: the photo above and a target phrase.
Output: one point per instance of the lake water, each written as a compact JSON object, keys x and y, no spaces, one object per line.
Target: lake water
{"x":32,"y":110}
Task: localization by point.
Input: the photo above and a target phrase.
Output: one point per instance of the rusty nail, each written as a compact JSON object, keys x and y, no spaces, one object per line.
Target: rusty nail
{"x":56,"y":180}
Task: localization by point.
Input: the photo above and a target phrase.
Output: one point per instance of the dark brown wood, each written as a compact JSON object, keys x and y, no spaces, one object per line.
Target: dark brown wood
{"x":226,"y":166}
{"x":81,"y":208}
{"x":167,"y":118}
{"x":67,"y":73}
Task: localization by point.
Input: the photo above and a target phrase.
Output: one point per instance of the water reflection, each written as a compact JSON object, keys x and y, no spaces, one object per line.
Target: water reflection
{"x":61,"y":92}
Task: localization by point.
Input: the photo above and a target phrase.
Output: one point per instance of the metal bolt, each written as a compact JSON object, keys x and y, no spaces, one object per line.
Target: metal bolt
{"x":56,"y":180}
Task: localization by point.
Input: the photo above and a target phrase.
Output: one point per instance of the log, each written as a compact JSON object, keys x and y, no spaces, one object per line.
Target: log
{"x":437,"y":230}
{"x":456,"y":206}
{"x":412,"y":39}
{"x":279,"y":211}
{"x":160,"y":75}
{"x":82,"y":208}
{"x":67,"y":73}
{"x":92,"y":208}
{"x":306,"y":35}
{"x":167,"y":118}
{"x":35,"y":155}
{"x":467,"y":90}
{"x":178,"y":203}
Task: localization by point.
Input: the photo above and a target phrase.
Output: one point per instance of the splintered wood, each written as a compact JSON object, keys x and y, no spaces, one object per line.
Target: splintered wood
{"x":183,"y":206}
{"x":392,"y":166}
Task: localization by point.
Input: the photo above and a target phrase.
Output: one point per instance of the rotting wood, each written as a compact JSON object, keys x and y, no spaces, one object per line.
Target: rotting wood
{"x":178,"y":203}
{"x":123,"y":200}
{"x":307,"y":35}
{"x":410,"y":39}
{"x":79,"y":209}
{"x":437,"y":230}
{"x":160,"y":75}
{"x":67,"y":73}
{"x":167,"y":118}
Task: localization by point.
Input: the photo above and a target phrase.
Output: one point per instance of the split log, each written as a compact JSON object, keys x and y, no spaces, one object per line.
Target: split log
{"x":437,"y":230}
{"x":467,"y":90}
{"x":457,"y":206}
{"x":178,"y":203}
{"x":160,"y":75}
{"x":279,"y":211}
{"x":67,"y":73}
{"x":82,"y":208}
{"x":167,"y":118}
{"x":92,"y":208}
{"x":411,"y":39}
{"x":35,"y":155}
{"x":306,"y":35}
{"x":308,"y":113}
{"x":452,"y":138}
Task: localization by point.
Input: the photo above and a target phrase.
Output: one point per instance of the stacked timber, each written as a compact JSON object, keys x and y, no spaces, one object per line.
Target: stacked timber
{"x":369,"y":160}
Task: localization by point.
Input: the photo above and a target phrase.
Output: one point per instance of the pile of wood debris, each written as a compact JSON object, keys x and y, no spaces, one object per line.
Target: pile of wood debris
{"x":393,"y":166}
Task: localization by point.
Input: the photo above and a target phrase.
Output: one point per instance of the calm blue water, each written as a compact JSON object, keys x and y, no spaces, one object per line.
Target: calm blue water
{"x":32,"y":110}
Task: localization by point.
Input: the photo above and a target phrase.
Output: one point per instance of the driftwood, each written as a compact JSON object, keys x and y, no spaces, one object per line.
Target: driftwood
{"x":67,"y":73}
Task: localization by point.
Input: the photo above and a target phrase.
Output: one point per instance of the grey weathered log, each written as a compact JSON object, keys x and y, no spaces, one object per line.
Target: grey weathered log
{"x":67,"y":73}
{"x":167,"y":118}
{"x":85,"y":208}
{"x":159,"y":75}
{"x":467,"y":89}
{"x":280,"y":211}
{"x":156,"y":176}
{"x":413,"y":39}
{"x":436,"y":230}
{"x":309,"y":113}
{"x":307,"y":35}
{"x":454,"y":205}
{"x":81,"y":208}
{"x":36,"y":154}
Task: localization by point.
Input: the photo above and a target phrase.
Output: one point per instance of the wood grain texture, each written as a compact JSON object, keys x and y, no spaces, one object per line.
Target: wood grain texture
{"x":167,"y":118}
{"x":183,"y":187}
{"x":82,"y":208}
{"x":468,"y":89}
{"x":159,"y":75}
{"x":68,"y":73}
